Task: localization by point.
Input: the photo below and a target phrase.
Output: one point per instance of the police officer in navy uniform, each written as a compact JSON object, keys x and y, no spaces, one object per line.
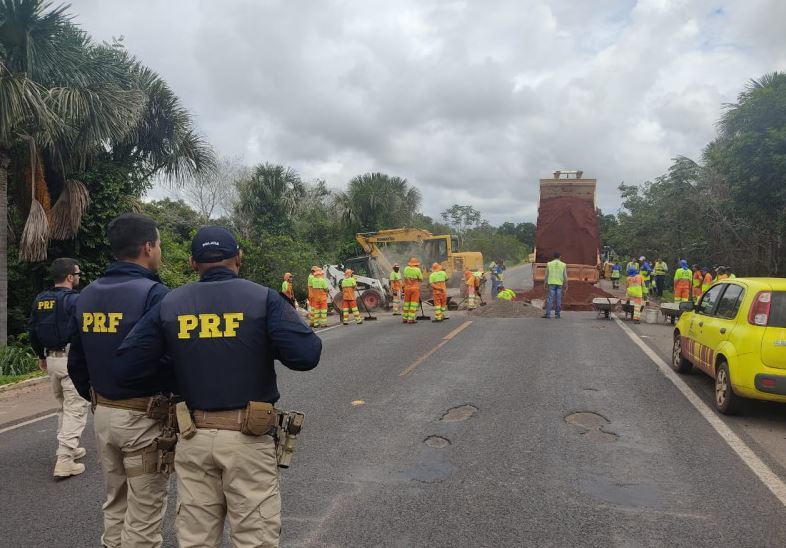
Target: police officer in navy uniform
{"x":223,"y":334}
{"x":106,"y":311}
{"x":50,"y":329}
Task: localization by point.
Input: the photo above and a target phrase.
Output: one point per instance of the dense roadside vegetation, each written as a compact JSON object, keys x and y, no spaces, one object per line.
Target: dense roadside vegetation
{"x":727,"y":208}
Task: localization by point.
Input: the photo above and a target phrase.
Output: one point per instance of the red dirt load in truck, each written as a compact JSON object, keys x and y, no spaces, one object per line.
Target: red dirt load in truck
{"x":568,"y":225}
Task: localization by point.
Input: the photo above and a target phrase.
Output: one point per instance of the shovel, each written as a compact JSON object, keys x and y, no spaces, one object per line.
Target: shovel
{"x":368,"y":317}
{"x":422,"y":313}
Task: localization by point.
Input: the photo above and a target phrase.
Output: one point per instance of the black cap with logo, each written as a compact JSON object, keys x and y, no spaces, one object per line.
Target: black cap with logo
{"x":213,"y":244}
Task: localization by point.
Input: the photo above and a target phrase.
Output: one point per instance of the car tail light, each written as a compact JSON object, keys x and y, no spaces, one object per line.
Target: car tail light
{"x":760,"y":309}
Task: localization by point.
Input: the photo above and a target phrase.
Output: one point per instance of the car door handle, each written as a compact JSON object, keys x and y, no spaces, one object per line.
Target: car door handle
{"x":723,"y":330}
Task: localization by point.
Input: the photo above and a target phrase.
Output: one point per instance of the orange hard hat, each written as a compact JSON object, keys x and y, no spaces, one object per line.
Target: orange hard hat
{"x":288,"y":276}
{"x":314,"y":269}
{"x":436,"y":266}
{"x":413,"y":261}
{"x":348,"y":272}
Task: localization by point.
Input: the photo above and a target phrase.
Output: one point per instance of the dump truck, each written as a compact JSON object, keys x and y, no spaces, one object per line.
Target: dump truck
{"x":397,"y":245}
{"x":567,"y":222}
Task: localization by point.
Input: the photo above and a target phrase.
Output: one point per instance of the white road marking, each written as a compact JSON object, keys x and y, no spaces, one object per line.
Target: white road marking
{"x":31,"y":421}
{"x":757,"y":466}
{"x":323,"y":329}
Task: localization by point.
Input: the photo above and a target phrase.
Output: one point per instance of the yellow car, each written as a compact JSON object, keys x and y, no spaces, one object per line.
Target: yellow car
{"x":737,"y":335}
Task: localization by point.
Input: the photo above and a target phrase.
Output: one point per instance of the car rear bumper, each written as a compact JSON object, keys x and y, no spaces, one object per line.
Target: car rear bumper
{"x":770,"y":384}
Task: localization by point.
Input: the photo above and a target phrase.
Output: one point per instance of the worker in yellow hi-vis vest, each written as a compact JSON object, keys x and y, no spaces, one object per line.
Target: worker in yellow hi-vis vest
{"x":556,"y":284}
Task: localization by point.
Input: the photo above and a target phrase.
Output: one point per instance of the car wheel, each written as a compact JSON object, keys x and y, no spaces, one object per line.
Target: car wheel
{"x":726,"y":401}
{"x":678,"y":362}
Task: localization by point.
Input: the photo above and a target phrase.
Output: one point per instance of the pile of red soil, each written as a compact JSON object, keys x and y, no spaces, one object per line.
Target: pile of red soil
{"x":569,"y":225}
{"x":578,"y":296}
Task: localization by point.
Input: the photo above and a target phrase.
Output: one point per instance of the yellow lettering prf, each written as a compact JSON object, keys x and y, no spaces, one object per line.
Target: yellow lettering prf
{"x":87,"y":321}
{"x":209,"y":326}
{"x":114,"y":321}
{"x":188,"y":323}
{"x":232,"y":323}
{"x":99,"y":322}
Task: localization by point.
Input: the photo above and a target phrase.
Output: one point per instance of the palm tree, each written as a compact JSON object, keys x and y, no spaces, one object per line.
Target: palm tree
{"x":374,"y":201}
{"x":269,"y":198}
{"x":63,"y":100}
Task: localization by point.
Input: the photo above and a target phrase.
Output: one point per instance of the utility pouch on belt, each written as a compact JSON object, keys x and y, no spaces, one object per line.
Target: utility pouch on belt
{"x":259,"y":418}
{"x":158,"y":408}
{"x":185,"y":424}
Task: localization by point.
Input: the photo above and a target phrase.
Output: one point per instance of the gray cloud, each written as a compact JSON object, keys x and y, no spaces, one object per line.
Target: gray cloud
{"x":470,"y":101}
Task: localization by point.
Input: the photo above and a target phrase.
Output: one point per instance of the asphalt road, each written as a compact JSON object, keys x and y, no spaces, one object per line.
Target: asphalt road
{"x":548,"y":433}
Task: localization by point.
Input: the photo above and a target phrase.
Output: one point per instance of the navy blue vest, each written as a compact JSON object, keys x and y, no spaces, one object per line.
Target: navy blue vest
{"x":216,"y":333}
{"x":106,"y":311}
{"x":50,"y":319}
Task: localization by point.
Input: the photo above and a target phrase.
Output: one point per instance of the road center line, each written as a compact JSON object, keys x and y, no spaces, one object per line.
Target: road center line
{"x":25,"y":423}
{"x":445,"y":340}
{"x":458,"y":330}
{"x":757,"y":466}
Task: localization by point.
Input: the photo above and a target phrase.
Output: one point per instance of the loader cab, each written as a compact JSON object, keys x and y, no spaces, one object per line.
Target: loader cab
{"x":436,"y":250}
{"x":362,"y":266}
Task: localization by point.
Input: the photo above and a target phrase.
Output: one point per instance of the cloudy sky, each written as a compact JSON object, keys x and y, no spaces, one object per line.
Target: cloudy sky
{"x":471,"y":101}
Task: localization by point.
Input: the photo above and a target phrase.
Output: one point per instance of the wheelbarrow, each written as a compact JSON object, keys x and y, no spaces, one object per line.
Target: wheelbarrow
{"x":604,"y":306}
{"x":671,"y":312}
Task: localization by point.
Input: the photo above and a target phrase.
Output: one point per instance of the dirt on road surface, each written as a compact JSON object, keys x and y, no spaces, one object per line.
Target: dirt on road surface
{"x":506,"y":309}
{"x":578,"y":296}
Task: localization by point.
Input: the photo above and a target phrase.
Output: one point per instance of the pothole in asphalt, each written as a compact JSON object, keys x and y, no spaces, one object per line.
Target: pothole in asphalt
{"x":460,"y":413}
{"x":592,"y":425}
{"x":437,"y":442}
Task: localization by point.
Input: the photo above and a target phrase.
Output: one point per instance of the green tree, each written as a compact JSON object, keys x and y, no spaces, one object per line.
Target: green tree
{"x":268,"y":199}
{"x":65,"y":101}
{"x":525,"y":232}
{"x":375,"y":201}
{"x":461,"y":218}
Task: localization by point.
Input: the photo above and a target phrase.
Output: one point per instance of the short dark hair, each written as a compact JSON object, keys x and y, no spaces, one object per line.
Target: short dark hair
{"x":61,"y":268}
{"x":556,"y":255}
{"x":128,"y":233}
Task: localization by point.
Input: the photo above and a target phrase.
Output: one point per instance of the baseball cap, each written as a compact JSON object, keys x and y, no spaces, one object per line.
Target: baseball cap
{"x":212,"y":244}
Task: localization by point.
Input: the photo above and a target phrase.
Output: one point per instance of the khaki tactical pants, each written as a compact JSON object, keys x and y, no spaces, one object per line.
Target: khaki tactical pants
{"x":134,"y":506}
{"x":72,"y":414}
{"x":221,"y":473}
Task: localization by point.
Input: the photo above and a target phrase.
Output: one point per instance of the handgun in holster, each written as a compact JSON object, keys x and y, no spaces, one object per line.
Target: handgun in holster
{"x":289,"y":425}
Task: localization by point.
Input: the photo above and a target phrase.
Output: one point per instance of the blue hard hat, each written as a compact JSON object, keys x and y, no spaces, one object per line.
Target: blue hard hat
{"x":632,"y":271}
{"x":683,"y":263}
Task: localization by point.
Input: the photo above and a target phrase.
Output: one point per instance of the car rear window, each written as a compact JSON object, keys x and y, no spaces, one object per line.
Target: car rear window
{"x":778,"y":309}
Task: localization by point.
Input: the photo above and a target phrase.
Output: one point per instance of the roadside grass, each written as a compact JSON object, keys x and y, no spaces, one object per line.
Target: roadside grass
{"x":10,"y":379}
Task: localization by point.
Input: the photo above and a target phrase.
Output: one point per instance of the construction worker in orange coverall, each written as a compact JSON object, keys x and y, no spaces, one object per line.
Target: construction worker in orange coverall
{"x":319,"y":303}
{"x":348,"y":299}
{"x":635,"y":292}
{"x":683,"y":278}
{"x":395,"y":287}
{"x":413,"y":277}
{"x":438,"y":280}
{"x":472,"y":282}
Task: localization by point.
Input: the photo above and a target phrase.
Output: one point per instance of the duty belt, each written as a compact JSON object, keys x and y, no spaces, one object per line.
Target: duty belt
{"x":131,"y":404}
{"x":219,"y":420}
{"x":231,"y":419}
